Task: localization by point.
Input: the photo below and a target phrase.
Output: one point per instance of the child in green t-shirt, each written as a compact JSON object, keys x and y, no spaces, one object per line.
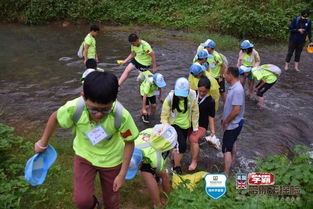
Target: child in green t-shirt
{"x":151,"y":149}
{"x":104,"y":139}
{"x":267,"y":76}
{"x":150,"y":87}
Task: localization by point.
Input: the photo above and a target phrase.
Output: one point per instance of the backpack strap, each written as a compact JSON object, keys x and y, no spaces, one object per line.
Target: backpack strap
{"x":79,"y":109}
{"x":118,"y":115}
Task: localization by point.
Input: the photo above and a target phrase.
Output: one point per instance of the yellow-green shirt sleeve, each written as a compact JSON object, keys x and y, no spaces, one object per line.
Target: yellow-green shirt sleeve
{"x":65,"y":114}
{"x":128,"y":129}
{"x":166,"y":111}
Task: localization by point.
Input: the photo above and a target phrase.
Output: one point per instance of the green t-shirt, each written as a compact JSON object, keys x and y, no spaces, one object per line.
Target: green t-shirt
{"x":264,"y":74}
{"x":147,"y":87}
{"x":143,"y":53}
{"x":149,"y":154}
{"x":215,"y":63}
{"x":91,"y":42}
{"x":183,"y":119}
{"x":107,"y":153}
{"x":249,"y":60}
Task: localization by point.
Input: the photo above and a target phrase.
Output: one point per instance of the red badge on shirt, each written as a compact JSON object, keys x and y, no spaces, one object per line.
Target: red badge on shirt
{"x":126,"y":134}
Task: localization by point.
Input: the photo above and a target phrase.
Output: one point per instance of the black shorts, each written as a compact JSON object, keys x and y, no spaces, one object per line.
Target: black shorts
{"x":264,"y":88}
{"x":229,"y":138}
{"x":145,"y":167}
{"x":150,"y":100}
{"x":182,"y":135}
{"x":139,"y":66}
{"x":221,"y":84}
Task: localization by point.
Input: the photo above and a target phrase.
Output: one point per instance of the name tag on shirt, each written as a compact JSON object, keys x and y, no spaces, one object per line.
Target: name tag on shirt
{"x":250,"y":60}
{"x":212,"y":65}
{"x":96,"y":135}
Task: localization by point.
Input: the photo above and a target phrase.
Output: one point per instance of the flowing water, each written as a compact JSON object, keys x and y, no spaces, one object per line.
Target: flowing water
{"x":39,"y":71}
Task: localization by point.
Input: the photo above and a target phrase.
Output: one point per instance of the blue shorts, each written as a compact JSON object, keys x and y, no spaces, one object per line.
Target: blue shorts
{"x":230,"y":137}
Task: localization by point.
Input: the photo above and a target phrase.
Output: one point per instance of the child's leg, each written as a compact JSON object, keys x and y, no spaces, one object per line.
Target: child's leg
{"x":111,"y":199}
{"x":251,"y":87}
{"x":126,"y":72}
{"x":182,"y":145}
{"x":84,"y":176}
{"x":153,"y":109}
{"x":153,"y":188}
{"x":243,"y":79}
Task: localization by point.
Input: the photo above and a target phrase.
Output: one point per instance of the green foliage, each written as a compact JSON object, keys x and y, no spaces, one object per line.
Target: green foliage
{"x":297,"y":170}
{"x":15,"y":192}
{"x":265,"y":19}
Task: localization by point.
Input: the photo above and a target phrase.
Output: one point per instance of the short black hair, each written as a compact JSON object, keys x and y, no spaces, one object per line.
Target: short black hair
{"x":305,"y":12}
{"x":133,"y":37}
{"x":91,"y":63}
{"x":94,"y":28}
{"x":101,"y":87}
{"x":234,"y":71}
{"x":204,"y":82}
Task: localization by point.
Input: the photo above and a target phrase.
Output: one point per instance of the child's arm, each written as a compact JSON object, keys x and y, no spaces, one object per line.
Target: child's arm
{"x":240,"y":56}
{"x":130,"y":56}
{"x":165,"y":181}
{"x":120,"y":178}
{"x":154,"y":66}
{"x":160,"y":96}
{"x":165,"y":112}
{"x":86,"y":47}
{"x":257,"y":59}
{"x":41,"y":145}
{"x":260,"y":86}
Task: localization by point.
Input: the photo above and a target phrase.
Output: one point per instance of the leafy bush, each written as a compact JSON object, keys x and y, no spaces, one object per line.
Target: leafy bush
{"x":265,"y":19}
{"x":15,"y":192}
{"x":295,"y":171}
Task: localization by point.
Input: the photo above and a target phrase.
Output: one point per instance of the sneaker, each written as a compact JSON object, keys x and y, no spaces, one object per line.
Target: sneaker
{"x":178,"y":170}
{"x":145,"y":118}
{"x":99,"y":204}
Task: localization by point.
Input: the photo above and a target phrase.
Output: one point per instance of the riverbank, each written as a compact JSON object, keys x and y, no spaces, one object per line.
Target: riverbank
{"x":56,"y":191}
{"x":265,"y":20}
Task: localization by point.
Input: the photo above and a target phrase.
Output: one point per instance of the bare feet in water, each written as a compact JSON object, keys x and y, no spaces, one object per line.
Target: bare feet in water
{"x":286,"y":66}
{"x":192,"y":166}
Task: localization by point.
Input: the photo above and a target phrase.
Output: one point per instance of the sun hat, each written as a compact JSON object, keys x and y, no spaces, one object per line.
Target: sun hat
{"x":36,"y":168}
{"x":181,"y":87}
{"x":163,"y":137}
{"x":195,"y":69}
{"x":244,"y":69}
{"x":134,"y":164}
{"x":208,"y":43}
{"x":159,"y":80}
{"x":203,"y":54}
{"x":246,"y":44}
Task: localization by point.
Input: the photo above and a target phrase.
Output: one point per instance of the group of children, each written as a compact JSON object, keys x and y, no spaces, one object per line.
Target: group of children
{"x":107,"y":140}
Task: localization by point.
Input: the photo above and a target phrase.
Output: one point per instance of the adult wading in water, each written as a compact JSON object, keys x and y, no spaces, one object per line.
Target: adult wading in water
{"x":299,"y":28}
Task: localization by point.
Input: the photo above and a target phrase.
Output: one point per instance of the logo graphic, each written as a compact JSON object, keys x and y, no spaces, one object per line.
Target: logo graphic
{"x":241,"y":181}
{"x":126,"y":133}
{"x":215,"y":185}
{"x":261,"y":179}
